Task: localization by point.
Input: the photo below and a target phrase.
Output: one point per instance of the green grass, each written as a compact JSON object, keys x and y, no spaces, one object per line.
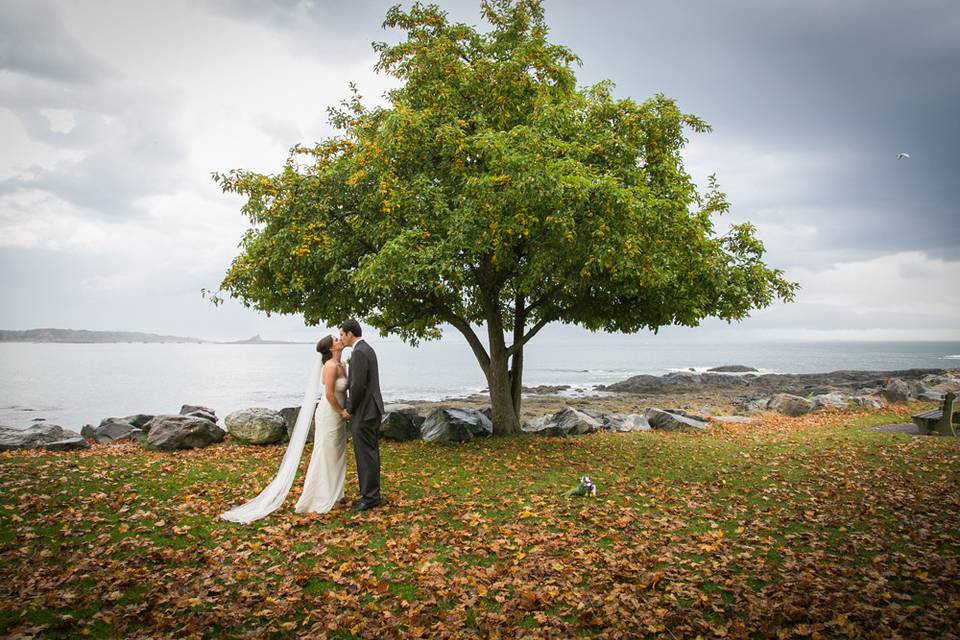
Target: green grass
{"x":789,"y":526}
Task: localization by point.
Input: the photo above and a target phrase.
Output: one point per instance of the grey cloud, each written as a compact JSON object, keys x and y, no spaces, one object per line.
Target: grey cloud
{"x":314,"y":27}
{"x":130,"y":150}
{"x":867,"y":79}
{"x":33,"y":41}
{"x":126,"y":136}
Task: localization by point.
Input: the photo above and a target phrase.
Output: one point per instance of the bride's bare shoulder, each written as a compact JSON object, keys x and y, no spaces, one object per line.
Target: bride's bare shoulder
{"x":329,"y":368}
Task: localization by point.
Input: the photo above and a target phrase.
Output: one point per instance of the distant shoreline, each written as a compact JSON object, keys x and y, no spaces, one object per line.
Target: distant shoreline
{"x":83,"y":336}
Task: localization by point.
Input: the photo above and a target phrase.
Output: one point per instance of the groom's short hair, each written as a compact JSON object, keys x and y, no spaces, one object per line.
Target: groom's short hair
{"x":352,"y":326}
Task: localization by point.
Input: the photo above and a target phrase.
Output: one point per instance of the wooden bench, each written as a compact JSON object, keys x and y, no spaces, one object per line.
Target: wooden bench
{"x":940,"y":420}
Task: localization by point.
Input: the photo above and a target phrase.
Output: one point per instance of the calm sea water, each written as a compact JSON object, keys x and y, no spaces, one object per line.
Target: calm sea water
{"x":76,"y":384}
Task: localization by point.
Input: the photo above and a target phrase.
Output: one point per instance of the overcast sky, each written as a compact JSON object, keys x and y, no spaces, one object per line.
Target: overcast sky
{"x":113,"y":115}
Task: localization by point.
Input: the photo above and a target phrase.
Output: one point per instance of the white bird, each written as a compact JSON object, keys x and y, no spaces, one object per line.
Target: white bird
{"x":903,"y":156}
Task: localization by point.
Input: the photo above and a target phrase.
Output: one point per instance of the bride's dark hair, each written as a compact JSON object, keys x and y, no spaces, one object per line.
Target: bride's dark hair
{"x":323,"y":347}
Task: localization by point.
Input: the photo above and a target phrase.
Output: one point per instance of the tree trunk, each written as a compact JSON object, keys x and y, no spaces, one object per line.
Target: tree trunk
{"x":505,"y":420}
{"x":516,"y":380}
{"x":516,"y":362}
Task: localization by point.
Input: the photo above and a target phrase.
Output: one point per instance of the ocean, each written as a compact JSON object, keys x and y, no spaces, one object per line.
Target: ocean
{"x":77,"y":384}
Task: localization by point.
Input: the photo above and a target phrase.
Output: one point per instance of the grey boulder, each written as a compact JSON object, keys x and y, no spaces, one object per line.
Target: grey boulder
{"x":67,"y":444}
{"x":290,"y":415}
{"x":138,"y":420}
{"x":399,"y":407}
{"x":256,"y":426}
{"x":401,"y":426}
{"x":830,"y":401}
{"x":672,"y":420}
{"x":626,"y":423}
{"x":750,"y":405}
{"x":896,"y":391}
{"x":187,"y":409}
{"x":199,"y":411}
{"x":33,"y":437}
{"x":109,"y":430}
{"x":866,"y":402}
{"x":789,"y":405}
{"x":455,"y":425}
{"x":566,"y":422}
{"x":169,"y":433}
{"x":843,"y":401}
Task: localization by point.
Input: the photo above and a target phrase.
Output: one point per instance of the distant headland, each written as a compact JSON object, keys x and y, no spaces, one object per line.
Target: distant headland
{"x":83,"y":336}
{"x":258,"y":340}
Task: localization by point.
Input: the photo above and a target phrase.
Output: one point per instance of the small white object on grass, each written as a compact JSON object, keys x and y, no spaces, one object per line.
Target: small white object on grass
{"x":903,"y":156}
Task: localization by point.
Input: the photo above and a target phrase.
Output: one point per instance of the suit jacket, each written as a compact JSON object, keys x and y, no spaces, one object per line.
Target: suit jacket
{"x":363,"y":400}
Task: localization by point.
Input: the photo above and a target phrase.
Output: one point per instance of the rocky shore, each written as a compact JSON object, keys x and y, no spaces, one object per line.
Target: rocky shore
{"x":736,"y":389}
{"x":680,"y":400}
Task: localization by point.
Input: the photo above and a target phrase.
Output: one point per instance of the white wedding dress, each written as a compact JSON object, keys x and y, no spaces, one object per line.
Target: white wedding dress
{"x":323,"y":486}
{"x":327,"y":472}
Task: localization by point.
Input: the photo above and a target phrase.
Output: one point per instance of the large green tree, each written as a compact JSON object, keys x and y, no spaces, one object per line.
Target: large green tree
{"x":494,"y":195}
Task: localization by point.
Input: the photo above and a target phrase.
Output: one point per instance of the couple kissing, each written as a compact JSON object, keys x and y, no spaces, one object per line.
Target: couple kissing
{"x":348,"y":398}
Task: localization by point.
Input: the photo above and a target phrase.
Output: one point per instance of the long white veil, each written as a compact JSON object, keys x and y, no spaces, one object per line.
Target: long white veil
{"x":272,"y":497}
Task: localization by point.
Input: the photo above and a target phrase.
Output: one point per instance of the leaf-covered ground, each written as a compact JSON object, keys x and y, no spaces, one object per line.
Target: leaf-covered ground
{"x":810,"y":527}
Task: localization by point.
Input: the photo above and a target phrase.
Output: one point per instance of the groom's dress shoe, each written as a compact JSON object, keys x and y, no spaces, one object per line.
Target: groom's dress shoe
{"x":364,"y":505}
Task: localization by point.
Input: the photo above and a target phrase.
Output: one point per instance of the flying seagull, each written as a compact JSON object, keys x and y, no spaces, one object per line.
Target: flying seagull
{"x":903,"y":156}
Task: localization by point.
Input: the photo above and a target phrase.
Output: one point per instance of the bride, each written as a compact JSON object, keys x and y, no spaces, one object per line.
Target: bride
{"x":323,"y":486}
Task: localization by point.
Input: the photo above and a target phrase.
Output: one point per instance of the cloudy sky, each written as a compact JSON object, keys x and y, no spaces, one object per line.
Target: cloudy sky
{"x":113,"y":115}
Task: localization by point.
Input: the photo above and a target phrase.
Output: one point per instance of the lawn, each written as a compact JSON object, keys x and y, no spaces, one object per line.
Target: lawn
{"x":806,"y":527}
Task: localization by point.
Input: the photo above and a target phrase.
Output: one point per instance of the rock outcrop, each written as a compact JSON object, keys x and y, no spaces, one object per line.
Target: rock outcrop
{"x":566,"y":422}
{"x":41,"y":435}
{"x":789,"y":405}
{"x":455,"y":425}
{"x":109,"y":430}
{"x":673,"y":420}
{"x":800,"y":384}
{"x":256,"y":426}
{"x":897,"y":391}
{"x":198,"y":411}
{"x":168,"y":433}
{"x":625,"y":423}
{"x":290,"y":416}
{"x":401,"y":425}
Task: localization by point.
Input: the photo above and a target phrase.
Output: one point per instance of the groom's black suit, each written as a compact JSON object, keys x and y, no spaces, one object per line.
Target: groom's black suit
{"x":365,"y":405}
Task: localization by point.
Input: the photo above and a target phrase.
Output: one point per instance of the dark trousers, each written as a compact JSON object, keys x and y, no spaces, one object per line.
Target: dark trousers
{"x":366,"y":450}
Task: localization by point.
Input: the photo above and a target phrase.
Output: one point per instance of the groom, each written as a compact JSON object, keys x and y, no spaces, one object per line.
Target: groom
{"x":365,"y":409}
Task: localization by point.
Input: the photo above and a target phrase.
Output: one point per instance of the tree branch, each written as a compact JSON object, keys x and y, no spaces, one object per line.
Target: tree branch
{"x":516,"y":346}
{"x":546,"y":296}
{"x":464,"y":327}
